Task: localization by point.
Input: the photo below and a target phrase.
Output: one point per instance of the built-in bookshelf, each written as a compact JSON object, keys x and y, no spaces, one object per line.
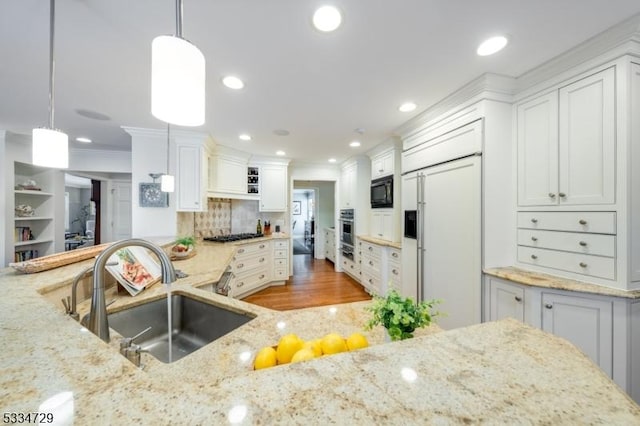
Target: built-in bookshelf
{"x":34,"y":231}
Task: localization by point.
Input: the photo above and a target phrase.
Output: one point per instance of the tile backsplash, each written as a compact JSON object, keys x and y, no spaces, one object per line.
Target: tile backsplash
{"x":226,"y":216}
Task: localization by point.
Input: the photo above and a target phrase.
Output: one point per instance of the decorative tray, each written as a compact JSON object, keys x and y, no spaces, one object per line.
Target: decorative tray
{"x":57,"y":260}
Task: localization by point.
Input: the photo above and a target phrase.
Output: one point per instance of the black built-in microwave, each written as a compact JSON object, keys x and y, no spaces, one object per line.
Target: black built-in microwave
{"x":382,"y":192}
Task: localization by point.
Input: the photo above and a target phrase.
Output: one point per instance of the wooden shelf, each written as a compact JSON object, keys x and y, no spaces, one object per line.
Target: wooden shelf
{"x":33,"y":218}
{"x":29,"y":192}
{"x":30,"y":242}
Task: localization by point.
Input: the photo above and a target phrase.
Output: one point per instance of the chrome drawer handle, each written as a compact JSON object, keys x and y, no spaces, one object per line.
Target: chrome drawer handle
{"x":518,"y":299}
{"x":240,"y":250}
{"x":395,"y":271}
{"x":370,"y":281}
{"x":582,"y":222}
{"x":261,"y":259}
{"x":371,"y":263}
{"x":370,"y":248}
{"x":240,"y":284}
{"x":261,"y":277}
{"x":583,"y":265}
{"x":562,"y":194}
{"x":534,"y":220}
{"x":379,"y":235}
{"x":552,"y":195}
{"x":262,"y":246}
{"x":533,"y":256}
{"x":548,"y":306}
{"x":583,"y":243}
{"x":241,"y":265}
{"x":394,"y":254}
{"x":534,"y":238}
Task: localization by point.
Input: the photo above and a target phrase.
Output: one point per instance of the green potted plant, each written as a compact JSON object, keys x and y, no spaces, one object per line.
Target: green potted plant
{"x":183,"y":246}
{"x":399,"y":315}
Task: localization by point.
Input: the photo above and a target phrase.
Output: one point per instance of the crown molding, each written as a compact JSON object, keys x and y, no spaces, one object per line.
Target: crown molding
{"x":176,"y":133}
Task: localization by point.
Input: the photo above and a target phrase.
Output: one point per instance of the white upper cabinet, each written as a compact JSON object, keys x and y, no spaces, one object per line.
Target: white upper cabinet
{"x":538,"y":151}
{"x":587,"y":140}
{"x":191,"y":177}
{"x":382,"y":164}
{"x":227,"y":175}
{"x":566,"y":144}
{"x":273,"y":188}
{"x":348,"y":186}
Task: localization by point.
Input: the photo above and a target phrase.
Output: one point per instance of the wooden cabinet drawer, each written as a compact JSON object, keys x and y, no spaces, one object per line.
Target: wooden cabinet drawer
{"x":371,"y":249}
{"x":281,"y":244}
{"x":593,"y":222}
{"x":280,"y":254}
{"x":596,"y":266}
{"x":250,"y":249}
{"x":596,"y":244}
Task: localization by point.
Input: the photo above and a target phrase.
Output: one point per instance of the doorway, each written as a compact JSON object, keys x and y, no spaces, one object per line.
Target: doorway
{"x":81,"y":212}
{"x":303,"y":216}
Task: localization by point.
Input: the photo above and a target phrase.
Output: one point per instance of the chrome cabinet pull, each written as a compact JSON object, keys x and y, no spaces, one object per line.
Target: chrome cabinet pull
{"x":240,"y":265}
{"x":370,"y":281}
{"x":261,"y":259}
{"x":552,"y":195}
{"x":518,"y":299}
{"x":240,"y":284}
{"x":370,"y":248}
{"x":583,"y":265}
{"x":261,"y":277}
{"x":534,"y":220}
{"x":240,"y":250}
{"x":395,"y":271}
{"x":582,"y":222}
{"x":534,"y":238}
{"x":533,"y":256}
{"x":261,"y":246}
{"x":394,"y":254}
{"x":583,"y":243}
{"x":562,"y":194}
{"x":548,"y":306}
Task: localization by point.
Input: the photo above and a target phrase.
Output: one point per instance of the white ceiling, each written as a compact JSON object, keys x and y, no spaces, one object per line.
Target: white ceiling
{"x":320,"y":87}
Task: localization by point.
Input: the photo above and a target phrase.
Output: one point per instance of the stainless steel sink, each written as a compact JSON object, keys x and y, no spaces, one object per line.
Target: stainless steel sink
{"x":194,"y":324}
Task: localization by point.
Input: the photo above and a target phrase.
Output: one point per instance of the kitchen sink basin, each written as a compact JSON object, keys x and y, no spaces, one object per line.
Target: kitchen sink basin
{"x":194,"y":324}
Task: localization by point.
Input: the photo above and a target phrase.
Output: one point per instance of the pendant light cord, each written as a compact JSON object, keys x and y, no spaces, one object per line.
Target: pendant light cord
{"x":52,"y":12}
{"x":168,"y":146}
{"x":179,"y":18}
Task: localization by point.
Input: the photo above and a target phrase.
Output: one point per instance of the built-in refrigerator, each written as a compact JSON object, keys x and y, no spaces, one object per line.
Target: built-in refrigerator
{"x":441,"y":248}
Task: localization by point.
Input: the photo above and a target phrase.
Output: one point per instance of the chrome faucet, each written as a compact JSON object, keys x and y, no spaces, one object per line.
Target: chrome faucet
{"x":98,"y":323}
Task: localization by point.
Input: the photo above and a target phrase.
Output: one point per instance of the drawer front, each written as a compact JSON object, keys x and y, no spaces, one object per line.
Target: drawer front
{"x":281,"y":244}
{"x":280,"y":253}
{"x":596,"y":244}
{"x":241,"y":265}
{"x":371,"y":283}
{"x":593,"y":222}
{"x":246,"y":282}
{"x":395,"y":272}
{"x":394,"y":255}
{"x":371,"y":264}
{"x":596,"y":266}
{"x":246,"y":250}
{"x":280,"y":263}
{"x":371,"y":249}
{"x":351,"y":267}
{"x":281,"y":274}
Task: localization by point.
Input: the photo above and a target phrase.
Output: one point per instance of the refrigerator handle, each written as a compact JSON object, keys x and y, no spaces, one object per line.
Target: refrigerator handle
{"x":420,"y":237}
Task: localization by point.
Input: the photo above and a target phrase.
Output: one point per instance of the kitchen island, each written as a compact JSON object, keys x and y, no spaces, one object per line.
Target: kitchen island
{"x":502,"y":372}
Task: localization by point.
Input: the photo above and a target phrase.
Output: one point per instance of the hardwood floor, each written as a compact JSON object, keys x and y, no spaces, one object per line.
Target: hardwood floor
{"x":314,"y":283}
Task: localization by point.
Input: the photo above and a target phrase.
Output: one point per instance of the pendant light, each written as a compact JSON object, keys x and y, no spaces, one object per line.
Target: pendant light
{"x":167,"y":181}
{"x":177,"y":78}
{"x":50,"y":147}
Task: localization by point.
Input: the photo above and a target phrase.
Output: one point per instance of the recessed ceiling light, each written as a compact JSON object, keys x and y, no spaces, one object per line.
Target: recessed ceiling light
{"x":327,"y":18}
{"x":281,"y":132}
{"x":83,"y":139}
{"x":280,"y":153}
{"x":245,"y":137}
{"x":233,"y":82}
{"x":354,"y":144}
{"x":407,"y":107}
{"x":92,"y":114}
{"x":332,"y":160}
{"x":492,"y":45}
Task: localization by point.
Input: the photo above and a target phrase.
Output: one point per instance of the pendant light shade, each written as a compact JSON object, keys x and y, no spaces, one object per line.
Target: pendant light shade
{"x":50,"y":148}
{"x":177,"y":79}
{"x":167,"y":183}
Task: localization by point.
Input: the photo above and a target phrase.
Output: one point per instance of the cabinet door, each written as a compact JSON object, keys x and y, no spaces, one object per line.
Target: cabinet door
{"x":507,"y":301}
{"x":538,"y":151}
{"x":228,"y":175}
{"x":382,"y":165}
{"x":587,"y":140}
{"x":273,"y":188}
{"x":189,"y":178}
{"x":587,"y":323}
{"x":348,"y":177}
{"x":376,"y":225}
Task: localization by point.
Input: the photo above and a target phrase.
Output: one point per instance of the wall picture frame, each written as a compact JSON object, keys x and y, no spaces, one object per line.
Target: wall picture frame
{"x":152,"y":196}
{"x":297,"y":208}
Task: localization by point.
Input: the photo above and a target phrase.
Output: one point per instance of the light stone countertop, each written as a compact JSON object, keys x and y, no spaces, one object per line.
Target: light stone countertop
{"x":538,"y":279}
{"x":502,"y":372}
{"x":378,"y":241}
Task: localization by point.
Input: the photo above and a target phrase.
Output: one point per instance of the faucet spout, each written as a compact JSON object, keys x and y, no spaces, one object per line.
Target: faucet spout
{"x":98,"y":322}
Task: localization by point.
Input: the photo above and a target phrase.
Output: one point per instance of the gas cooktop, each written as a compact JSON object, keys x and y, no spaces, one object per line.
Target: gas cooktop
{"x":232,"y":237}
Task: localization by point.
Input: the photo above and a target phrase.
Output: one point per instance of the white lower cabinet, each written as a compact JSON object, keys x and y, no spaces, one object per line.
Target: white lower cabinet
{"x":380,"y":266}
{"x":251,"y":268}
{"x":585,"y":322}
{"x":604,"y":328}
{"x":330,"y":244}
{"x":280,"y":260}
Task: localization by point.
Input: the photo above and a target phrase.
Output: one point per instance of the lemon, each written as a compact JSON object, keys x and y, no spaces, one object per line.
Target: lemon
{"x":303,"y":354}
{"x":265,"y":358}
{"x":288,"y":345}
{"x":333,"y":343}
{"x":356,"y":341}
{"x":315,"y":346}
